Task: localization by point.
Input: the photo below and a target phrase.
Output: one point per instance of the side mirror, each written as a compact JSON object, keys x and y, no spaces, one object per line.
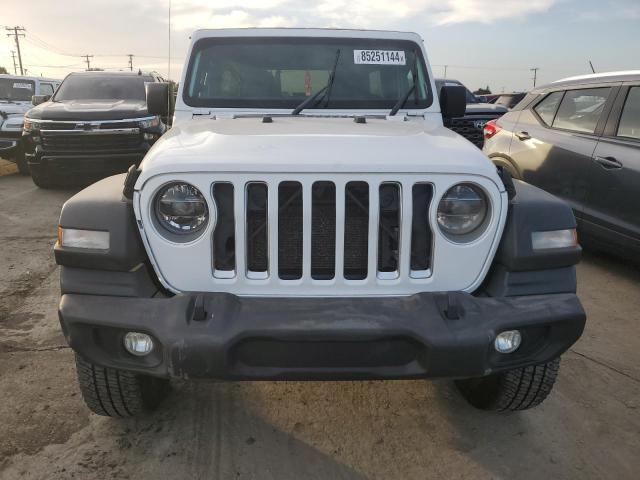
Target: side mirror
{"x":157,"y":98}
{"x":38,"y":99}
{"x":453,"y":101}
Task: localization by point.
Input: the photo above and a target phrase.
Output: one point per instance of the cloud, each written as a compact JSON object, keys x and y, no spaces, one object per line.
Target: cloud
{"x":193,"y":14}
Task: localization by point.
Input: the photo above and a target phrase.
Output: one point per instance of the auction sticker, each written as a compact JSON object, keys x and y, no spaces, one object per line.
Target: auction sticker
{"x":22,"y":85}
{"x":379,"y":57}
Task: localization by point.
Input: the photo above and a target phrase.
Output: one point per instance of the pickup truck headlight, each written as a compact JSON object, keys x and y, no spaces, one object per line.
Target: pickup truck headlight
{"x":30,"y":125}
{"x":462,"y":211}
{"x":181,"y":209}
{"x":150,"y":123}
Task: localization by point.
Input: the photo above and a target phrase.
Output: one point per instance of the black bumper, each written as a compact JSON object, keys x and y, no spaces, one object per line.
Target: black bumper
{"x":89,"y":163}
{"x":228,"y":337}
{"x":10,"y":144}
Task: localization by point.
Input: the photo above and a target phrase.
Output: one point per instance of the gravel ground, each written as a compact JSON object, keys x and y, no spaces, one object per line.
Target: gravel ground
{"x":588,"y":428}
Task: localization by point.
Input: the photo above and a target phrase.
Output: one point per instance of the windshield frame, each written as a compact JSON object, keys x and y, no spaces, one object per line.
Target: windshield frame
{"x":241,"y":104}
{"x":19,"y":80}
{"x":55,"y":97}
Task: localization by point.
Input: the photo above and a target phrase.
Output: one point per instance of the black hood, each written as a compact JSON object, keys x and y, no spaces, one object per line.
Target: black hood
{"x":83,"y":110}
{"x":485,"y":108}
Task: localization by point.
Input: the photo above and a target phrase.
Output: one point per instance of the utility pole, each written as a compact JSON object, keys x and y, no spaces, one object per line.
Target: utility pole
{"x":17,"y":36}
{"x":86,"y":59}
{"x":445,"y":71}
{"x":535,"y":75}
{"x":130,"y":61}
{"x":15,"y":66}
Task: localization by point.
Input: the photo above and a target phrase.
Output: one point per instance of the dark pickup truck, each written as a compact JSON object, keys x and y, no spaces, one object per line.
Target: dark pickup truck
{"x":477,"y":114}
{"x":95,"y":125}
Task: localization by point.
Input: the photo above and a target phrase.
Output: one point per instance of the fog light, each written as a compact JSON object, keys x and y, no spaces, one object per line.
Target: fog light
{"x":138,"y":344}
{"x":508,"y":341}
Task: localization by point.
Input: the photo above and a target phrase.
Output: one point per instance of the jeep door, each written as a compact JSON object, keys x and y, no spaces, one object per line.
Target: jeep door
{"x":612,"y":211}
{"x":554,"y":141}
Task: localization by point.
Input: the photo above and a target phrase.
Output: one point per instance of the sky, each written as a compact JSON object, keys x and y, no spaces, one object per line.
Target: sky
{"x":491,"y":43}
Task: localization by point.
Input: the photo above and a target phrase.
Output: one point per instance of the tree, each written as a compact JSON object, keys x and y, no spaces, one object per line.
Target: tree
{"x":3,"y":70}
{"x":483,"y":91}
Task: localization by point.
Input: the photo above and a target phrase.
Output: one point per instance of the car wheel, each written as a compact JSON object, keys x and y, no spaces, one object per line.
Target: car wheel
{"x":118,"y":393}
{"x":518,"y":389}
{"x":508,"y":166}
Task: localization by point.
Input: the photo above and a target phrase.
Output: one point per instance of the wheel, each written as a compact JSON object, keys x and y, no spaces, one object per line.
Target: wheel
{"x":118,"y":393}
{"x":508,"y":166}
{"x":518,"y":389}
{"x":21,"y":161}
{"x":41,"y":179}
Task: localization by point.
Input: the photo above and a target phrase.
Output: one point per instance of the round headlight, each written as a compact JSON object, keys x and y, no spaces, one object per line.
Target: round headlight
{"x":181,"y":209}
{"x":462,"y":209}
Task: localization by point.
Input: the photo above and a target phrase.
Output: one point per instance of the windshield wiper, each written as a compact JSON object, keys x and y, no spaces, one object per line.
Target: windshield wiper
{"x":324,"y":91}
{"x":414,"y":86}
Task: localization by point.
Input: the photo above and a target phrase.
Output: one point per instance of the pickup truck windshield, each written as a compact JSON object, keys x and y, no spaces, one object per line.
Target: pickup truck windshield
{"x":102,"y":87}
{"x":283,"y":72}
{"x":16,"y":89}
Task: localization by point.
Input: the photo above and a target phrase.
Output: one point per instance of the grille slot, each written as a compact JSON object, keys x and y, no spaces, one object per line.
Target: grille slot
{"x":356,"y":230}
{"x":224,"y":248}
{"x":389,"y":230}
{"x":323,"y":231}
{"x":256,"y":230}
{"x":420,"y":231}
{"x":290,"y":230}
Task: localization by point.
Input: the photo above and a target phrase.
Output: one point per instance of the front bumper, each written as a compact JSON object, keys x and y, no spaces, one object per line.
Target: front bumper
{"x":89,"y":163}
{"x":224,"y":336}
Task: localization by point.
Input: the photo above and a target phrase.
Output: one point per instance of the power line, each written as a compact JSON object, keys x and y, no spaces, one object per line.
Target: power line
{"x":17,"y":36}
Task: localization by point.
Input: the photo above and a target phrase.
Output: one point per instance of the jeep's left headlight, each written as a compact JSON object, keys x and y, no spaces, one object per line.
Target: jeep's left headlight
{"x":181,"y":209}
{"x":462,"y":211}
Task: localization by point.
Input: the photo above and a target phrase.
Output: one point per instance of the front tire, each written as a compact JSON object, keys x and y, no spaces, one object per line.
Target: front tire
{"x":41,"y":179}
{"x":513,"y":390}
{"x":118,"y":393}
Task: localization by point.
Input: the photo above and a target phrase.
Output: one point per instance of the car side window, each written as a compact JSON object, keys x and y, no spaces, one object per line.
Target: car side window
{"x":46,"y":89}
{"x":581,"y":109}
{"x":630,"y":120}
{"x":547,"y":108}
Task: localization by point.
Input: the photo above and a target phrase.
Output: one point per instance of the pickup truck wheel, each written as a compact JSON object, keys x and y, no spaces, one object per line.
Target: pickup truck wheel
{"x":518,"y":389}
{"x":118,"y":393}
{"x":41,"y":179}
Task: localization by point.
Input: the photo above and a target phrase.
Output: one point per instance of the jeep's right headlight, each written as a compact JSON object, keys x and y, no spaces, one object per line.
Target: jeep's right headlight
{"x":462,"y":211}
{"x":181,"y":209}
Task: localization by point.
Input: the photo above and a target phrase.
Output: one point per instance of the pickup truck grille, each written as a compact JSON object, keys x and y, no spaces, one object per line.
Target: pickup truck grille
{"x":321,"y":229}
{"x":90,"y":143}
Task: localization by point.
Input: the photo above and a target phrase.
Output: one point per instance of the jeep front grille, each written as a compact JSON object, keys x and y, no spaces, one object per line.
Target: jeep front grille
{"x":340,"y":221}
{"x":319,"y":234}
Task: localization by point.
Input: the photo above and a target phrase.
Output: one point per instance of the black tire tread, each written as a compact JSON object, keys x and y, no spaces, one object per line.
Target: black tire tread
{"x":513,"y":390}
{"x":118,"y":393}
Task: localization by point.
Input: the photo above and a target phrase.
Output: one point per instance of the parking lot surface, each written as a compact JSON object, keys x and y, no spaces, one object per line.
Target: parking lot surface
{"x":588,"y":428}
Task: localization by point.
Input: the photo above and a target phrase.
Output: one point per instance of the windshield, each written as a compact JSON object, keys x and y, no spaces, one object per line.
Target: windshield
{"x":283,"y":72}
{"x":102,"y":87}
{"x":16,"y":89}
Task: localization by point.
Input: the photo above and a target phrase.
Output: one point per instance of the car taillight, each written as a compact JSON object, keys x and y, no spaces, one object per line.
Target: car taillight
{"x":491,"y":128}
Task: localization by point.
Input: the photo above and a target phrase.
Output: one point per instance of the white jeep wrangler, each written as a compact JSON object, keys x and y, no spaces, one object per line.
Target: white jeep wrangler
{"x":309,"y":217}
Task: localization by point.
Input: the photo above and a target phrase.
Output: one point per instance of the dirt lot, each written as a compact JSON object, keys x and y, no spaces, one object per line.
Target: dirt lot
{"x":588,"y":428}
